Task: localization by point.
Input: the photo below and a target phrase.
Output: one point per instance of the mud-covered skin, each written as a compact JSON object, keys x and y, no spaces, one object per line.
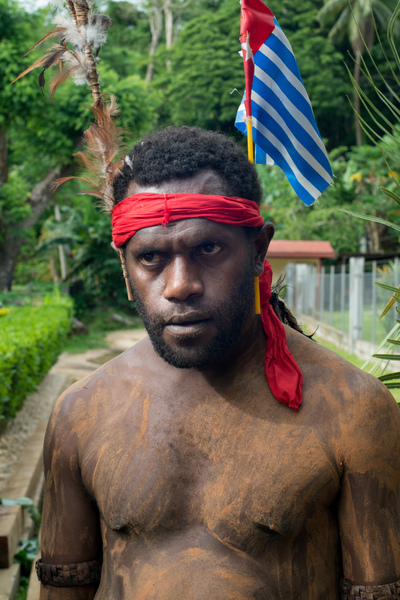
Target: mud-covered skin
{"x":197,"y":483}
{"x":220,"y":491}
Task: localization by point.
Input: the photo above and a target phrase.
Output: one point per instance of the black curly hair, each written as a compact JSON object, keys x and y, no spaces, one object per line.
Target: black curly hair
{"x":180,"y":152}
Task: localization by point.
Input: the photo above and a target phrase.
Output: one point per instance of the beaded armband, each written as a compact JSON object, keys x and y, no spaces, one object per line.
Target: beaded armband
{"x":69,"y":575}
{"x":389,"y":591}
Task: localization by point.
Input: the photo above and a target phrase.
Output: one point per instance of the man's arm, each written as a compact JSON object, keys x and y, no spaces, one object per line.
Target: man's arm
{"x":70,"y":526}
{"x":369,"y":508}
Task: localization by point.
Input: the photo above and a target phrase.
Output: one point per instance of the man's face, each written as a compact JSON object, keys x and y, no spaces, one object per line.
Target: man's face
{"x":193,"y":282}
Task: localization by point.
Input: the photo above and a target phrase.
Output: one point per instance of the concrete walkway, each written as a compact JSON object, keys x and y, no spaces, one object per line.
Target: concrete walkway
{"x":80,"y":365}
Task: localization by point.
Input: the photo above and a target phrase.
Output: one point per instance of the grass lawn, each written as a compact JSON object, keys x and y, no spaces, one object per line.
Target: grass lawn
{"x":353,"y":359}
{"x":370,"y":322}
{"x":100,"y":322}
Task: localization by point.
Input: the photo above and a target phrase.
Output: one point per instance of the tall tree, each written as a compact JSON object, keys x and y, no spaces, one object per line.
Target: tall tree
{"x":39,"y":137}
{"x":353,"y":18}
{"x":206,"y":67}
{"x":24,"y":196}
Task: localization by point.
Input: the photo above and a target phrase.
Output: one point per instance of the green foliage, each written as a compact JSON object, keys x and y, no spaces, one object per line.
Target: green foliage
{"x":29,"y":506}
{"x":205,"y":67}
{"x":41,"y":134}
{"x":359,"y":173}
{"x":352,"y":18}
{"x":28,"y":549}
{"x":323,"y":220}
{"x":12,"y":212}
{"x":127,"y":40}
{"x":33,"y":294}
{"x":385,"y":135}
{"x":23,"y":588}
{"x":139,"y":104}
{"x":192,"y":85}
{"x":100,"y":321}
{"x":95,"y":275}
{"x":31,"y":338}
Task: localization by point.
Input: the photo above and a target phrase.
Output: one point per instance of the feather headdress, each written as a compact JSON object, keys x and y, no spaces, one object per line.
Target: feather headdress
{"x":81,"y":34}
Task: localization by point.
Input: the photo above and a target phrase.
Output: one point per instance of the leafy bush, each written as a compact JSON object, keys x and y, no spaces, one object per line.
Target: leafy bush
{"x":31,"y":338}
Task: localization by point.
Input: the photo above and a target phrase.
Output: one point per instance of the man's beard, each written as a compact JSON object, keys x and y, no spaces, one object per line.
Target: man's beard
{"x":229,"y":318}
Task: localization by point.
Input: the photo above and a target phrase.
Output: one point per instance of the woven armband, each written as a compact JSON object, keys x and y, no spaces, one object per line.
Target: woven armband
{"x":69,"y":575}
{"x":389,"y":591}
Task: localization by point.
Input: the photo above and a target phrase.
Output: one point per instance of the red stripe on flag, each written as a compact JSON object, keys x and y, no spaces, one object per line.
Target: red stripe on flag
{"x":256,"y":25}
{"x":257,"y":20}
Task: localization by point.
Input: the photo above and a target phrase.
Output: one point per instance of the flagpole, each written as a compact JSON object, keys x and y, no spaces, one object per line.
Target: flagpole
{"x":250,"y":154}
{"x":250,"y":147}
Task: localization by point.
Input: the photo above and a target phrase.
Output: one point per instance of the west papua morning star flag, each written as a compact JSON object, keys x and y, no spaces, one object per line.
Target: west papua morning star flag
{"x":284,"y":127}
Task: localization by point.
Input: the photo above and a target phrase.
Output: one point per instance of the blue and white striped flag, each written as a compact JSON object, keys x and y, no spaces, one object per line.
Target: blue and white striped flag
{"x":284,"y":127}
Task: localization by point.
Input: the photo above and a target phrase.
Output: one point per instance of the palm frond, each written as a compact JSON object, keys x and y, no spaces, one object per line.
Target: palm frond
{"x":390,"y":194}
{"x":371,"y":218}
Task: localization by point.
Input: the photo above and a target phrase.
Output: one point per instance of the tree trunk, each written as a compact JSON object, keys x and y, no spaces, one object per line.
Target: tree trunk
{"x":155,"y":20}
{"x":61,"y":248}
{"x":9,"y":250}
{"x":3,"y":158}
{"x":53,"y":268}
{"x":357,"y":106}
{"x":169,"y":23}
{"x":13,"y":239}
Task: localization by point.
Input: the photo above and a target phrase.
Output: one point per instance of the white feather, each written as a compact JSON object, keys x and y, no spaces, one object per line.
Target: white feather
{"x":57,"y":4}
{"x":77,"y":61}
{"x":96,"y":35}
{"x":72,"y":35}
{"x":128,"y":161}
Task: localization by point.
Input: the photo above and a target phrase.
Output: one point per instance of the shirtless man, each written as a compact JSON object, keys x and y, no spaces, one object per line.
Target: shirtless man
{"x":173,"y":469}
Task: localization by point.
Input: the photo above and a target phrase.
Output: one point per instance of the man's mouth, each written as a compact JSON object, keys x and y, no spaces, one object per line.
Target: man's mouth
{"x":188,"y":324}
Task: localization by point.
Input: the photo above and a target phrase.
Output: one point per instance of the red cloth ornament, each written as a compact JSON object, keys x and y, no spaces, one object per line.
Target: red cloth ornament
{"x":148,"y":210}
{"x":283,"y":374}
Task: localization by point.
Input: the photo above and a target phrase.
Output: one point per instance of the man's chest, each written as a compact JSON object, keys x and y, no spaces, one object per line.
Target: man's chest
{"x":240,"y":473}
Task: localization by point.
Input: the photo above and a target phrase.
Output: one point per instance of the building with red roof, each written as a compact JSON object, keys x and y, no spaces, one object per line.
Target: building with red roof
{"x":282,"y":252}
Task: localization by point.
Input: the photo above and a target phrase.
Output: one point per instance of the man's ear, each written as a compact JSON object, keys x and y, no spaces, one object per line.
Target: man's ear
{"x":261,"y":244}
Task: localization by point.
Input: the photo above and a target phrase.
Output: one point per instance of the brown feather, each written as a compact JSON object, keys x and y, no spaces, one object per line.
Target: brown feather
{"x":47,"y":36}
{"x":59,"y":79}
{"x":41,"y":80}
{"x":28,"y":70}
{"x":87,"y":162}
{"x":62,"y":180}
{"x":46,"y":61}
{"x":54,"y":56}
{"x":103,"y":140}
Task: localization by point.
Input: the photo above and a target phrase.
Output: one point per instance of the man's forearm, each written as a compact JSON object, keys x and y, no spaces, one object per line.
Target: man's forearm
{"x":389,"y":591}
{"x":85,"y":592}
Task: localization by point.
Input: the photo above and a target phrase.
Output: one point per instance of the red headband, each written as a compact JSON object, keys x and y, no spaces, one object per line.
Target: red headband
{"x":147,"y":210}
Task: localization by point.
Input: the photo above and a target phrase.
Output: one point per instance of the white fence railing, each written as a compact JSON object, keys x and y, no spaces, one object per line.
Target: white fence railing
{"x":345,"y":296}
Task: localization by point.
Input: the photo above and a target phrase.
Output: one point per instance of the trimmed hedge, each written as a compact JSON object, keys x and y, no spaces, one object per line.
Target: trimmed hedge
{"x":31,"y":338}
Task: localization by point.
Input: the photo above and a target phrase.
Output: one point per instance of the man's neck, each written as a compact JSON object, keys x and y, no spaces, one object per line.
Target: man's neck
{"x":246,"y":357}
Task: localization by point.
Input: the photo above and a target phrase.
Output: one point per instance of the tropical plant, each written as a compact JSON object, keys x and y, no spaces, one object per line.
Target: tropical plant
{"x":355,"y":19}
{"x":384,"y":135}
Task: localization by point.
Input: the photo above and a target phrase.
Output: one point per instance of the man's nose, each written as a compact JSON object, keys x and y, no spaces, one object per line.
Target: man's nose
{"x":182,"y":280}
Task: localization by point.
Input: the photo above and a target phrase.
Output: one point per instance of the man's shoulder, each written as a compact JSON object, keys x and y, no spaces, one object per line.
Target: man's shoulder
{"x":110,"y":384}
{"x":330,"y":380}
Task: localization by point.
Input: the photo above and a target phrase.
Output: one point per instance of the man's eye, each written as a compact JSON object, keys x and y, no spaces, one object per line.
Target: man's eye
{"x":151,"y":258}
{"x":209,"y":249}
